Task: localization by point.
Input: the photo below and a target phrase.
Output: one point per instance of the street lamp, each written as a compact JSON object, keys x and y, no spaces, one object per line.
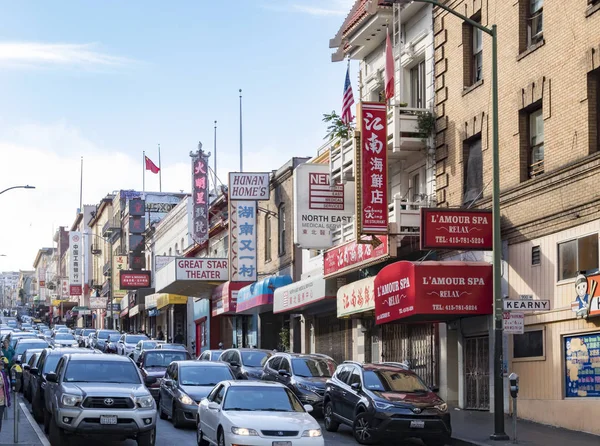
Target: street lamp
{"x":499,"y":433}
{"x":18,"y":187}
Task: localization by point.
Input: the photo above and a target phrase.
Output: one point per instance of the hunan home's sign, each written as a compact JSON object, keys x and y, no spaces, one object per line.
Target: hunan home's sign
{"x":456,"y":229}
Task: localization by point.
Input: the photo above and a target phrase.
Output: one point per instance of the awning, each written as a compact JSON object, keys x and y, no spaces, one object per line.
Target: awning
{"x":299,"y":295}
{"x":192,"y":276}
{"x":151,"y":300}
{"x":356,"y":297}
{"x":136,"y":310}
{"x":433,"y":291}
{"x":124,"y":313}
{"x":260,"y":293}
{"x":224,"y":297}
{"x":170,"y":299}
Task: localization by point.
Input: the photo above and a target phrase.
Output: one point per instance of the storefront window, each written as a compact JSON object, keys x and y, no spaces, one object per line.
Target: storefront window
{"x":579,"y":255}
{"x":529,"y":344}
{"x":582,"y":374}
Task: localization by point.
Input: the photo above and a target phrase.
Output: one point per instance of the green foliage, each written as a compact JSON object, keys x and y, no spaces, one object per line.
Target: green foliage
{"x":336,"y":128}
{"x":426,"y":124}
{"x":284,"y":339}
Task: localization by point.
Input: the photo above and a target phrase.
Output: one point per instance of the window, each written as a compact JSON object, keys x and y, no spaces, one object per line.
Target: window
{"x":285,"y":365}
{"x":343,"y":373}
{"x":535,"y":255}
{"x":354,"y":378}
{"x":274,"y":364}
{"x":268,"y":238}
{"x":281,"y":229}
{"x":218,"y":398}
{"x":473,"y":170}
{"x":577,"y":256}
{"x":535,"y":23}
{"x":477,"y":61}
{"x":529,"y":344}
{"x":536,"y":143}
{"x":593,"y":99}
{"x":415,"y":186}
{"x":472,"y":52}
{"x":417,"y":85}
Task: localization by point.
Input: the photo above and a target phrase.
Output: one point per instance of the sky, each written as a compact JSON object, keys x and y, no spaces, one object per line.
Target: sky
{"x":108,"y":80}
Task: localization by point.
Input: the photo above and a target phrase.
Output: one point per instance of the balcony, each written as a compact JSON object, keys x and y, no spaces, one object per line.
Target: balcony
{"x":106,"y":269}
{"x":112,"y":228}
{"x":404,"y":135}
{"x":406,"y":216}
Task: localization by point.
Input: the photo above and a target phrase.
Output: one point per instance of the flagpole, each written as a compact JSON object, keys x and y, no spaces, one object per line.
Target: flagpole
{"x":215,"y":160}
{"x":81,"y":188}
{"x":159,"y":172}
{"x":144,"y":171}
{"x":241,"y":147}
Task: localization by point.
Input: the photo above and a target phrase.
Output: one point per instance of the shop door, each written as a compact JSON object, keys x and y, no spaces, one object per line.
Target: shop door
{"x":477,"y":373}
{"x":415,"y":343}
{"x":333,"y":337}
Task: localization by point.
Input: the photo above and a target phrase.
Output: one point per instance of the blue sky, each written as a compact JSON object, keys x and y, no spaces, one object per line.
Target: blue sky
{"x":107,"y":80}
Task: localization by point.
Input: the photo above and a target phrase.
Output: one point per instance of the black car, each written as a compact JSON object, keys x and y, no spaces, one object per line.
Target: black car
{"x":246,"y":363}
{"x":153,"y":365}
{"x":185,"y":384}
{"x":47,"y":363}
{"x":25,"y":358}
{"x":102,"y":337}
{"x":305,"y":375}
{"x":383,"y":400}
{"x":210,"y":355}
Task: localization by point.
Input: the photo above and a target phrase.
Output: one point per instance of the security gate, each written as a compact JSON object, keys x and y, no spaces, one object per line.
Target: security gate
{"x":333,"y":337}
{"x":477,"y":373}
{"x":416,"y":343}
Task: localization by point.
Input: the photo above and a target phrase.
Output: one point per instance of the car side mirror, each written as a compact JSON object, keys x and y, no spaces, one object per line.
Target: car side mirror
{"x":308,"y":408}
{"x":355,"y":386}
{"x":434,"y":389}
{"x":149,"y":380}
{"x":213,"y":406}
{"x":52,"y":377}
{"x":234,"y":364}
{"x":284,"y":373}
{"x":26,"y":367}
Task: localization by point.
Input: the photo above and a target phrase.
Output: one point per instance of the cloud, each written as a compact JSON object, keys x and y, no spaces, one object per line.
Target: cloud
{"x":339,"y":8}
{"x":40,"y":54}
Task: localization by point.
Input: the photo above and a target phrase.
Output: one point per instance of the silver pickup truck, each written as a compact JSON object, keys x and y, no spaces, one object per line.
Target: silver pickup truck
{"x":100,"y":395}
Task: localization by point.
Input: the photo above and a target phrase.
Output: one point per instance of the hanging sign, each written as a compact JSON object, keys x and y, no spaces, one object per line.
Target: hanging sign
{"x":200,"y":196}
{"x":75,"y":279}
{"x":242,"y":241}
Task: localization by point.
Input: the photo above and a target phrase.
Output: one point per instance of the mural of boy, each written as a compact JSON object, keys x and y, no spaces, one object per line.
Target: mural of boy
{"x":580,"y":304}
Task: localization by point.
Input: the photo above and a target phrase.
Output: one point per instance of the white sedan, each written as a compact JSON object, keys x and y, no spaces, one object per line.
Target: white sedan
{"x":255,"y":413}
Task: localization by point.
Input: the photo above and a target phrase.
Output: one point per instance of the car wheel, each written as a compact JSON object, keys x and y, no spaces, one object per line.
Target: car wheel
{"x":221,"y":438}
{"x":46,"y":421}
{"x":361,"y":428}
{"x":161,"y":412}
{"x":57,"y":435}
{"x":199,"y":435}
{"x":330,"y":424}
{"x":176,"y":418}
{"x":147,"y":438}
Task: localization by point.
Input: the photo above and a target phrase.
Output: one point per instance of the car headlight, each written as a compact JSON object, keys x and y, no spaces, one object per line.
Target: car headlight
{"x":383,"y":406}
{"x":145,"y":402}
{"x":306,"y":387}
{"x":70,"y":400}
{"x":186,"y":399}
{"x":243,"y":431}
{"x":442,"y":407}
{"x":312,"y":433}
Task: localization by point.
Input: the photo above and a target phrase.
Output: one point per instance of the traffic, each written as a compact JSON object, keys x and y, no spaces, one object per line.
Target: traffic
{"x":85,"y":384}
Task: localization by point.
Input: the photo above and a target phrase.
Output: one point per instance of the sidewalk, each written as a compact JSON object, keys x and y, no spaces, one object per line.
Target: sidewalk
{"x":27,"y":432}
{"x":474,"y":428}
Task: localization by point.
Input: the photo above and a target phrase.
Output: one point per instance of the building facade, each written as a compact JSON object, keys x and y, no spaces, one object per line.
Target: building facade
{"x":549,"y":113}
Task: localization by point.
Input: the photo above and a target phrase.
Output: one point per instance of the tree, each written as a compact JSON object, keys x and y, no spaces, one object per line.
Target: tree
{"x":336,"y":128}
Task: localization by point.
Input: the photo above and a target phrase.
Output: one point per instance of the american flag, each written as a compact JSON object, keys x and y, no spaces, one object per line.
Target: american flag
{"x":348,"y":100}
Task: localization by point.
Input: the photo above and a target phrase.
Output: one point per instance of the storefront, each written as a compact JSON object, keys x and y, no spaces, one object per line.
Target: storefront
{"x":124,"y":324}
{"x":223,"y":307}
{"x":83,"y":315}
{"x":255,"y":325}
{"x":153,"y":315}
{"x":412,"y":298}
{"x":175,"y":308}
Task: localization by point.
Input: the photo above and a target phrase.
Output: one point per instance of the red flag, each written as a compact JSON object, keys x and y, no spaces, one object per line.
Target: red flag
{"x":151,"y":166}
{"x":389,"y":69}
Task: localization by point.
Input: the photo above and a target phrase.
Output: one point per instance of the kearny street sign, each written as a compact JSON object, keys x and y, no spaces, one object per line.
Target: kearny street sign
{"x":527,"y":305}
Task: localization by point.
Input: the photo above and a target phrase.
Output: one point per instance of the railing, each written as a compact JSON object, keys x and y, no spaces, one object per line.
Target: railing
{"x":106,"y":268}
{"x":403,"y":129}
{"x":112,"y":225}
{"x":406,"y":215}
{"x":536,"y":169}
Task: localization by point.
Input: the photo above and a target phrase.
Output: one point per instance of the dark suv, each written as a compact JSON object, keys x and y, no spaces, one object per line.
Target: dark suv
{"x":305,"y":375}
{"x":246,"y":363}
{"x":383,"y":400}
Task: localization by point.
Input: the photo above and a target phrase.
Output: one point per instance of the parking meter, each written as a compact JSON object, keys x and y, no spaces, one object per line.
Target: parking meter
{"x":514,"y":384}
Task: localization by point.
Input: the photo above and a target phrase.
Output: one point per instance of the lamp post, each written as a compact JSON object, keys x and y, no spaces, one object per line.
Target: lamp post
{"x":499,"y":433}
{"x":18,"y":187}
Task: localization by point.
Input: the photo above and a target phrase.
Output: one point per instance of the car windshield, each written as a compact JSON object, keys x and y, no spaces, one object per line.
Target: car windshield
{"x":14,"y":339}
{"x":134,"y":339}
{"x":173,"y":346}
{"x":62,"y":330}
{"x":87,"y":332}
{"x":310,"y":367}
{"x":149,"y":345}
{"x":254,"y":398}
{"x":22,"y":346}
{"x":121,"y":372}
{"x":104,"y":334}
{"x":393,"y":381}
{"x":215,"y":355}
{"x":47,"y":332}
{"x":254,"y":359}
{"x":64,"y":337}
{"x":156,"y":358}
{"x":78,"y":331}
{"x":203,"y":376}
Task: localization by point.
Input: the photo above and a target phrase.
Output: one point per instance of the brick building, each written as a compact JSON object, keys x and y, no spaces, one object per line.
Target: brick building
{"x":549,"y":78}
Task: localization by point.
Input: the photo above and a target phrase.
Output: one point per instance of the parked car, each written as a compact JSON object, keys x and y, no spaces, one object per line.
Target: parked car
{"x":210,"y":355}
{"x":23,"y":344}
{"x":127,"y":343}
{"x":64,"y":340}
{"x":246,"y":363}
{"x":305,"y":375}
{"x":83,"y":335}
{"x":260,"y":413}
{"x":90,"y":341}
{"x":153,"y":364}
{"x":171,"y":346}
{"x":99,"y":395}
{"x":46,"y":335}
{"x":47,"y":363}
{"x":25,"y":357}
{"x":102,"y":337}
{"x":185,"y":384}
{"x":27,"y":376}
{"x":381,"y":400}
{"x":140,"y":347}
{"x":16,"y":335}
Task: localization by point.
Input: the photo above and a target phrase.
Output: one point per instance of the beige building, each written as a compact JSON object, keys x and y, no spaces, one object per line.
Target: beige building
{"x":549,"y":79}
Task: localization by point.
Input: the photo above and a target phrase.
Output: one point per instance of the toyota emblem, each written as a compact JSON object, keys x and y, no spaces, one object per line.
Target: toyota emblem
{"x":109,"y":402}
{"x":417,"y":410}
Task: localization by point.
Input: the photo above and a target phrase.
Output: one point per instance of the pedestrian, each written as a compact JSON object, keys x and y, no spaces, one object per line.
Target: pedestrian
{"x":220,"y":346}
{"x":4,"y":392}
{"x":178,"y":337}
{"x":7,"y":350}
{"x":161,"y":335}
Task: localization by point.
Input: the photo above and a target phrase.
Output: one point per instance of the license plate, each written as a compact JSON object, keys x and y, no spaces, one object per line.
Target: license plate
{"x":108,"y":419}
{"x":282,"y":443}
{"x":417,"y":424}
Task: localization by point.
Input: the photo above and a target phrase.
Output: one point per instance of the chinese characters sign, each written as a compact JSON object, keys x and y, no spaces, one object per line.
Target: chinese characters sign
{"x":119,"y":264}
{"x":132,"y":280}
{"x":371,"y":170}
{"x":242,"y":241}
{"x":582,"y":356}
{"x":200,"y":192}
{"x":75,"y":265}
{"x":456,"y":229}
{"x":303,"y":293}
{"x":352,"y":256}
{"x":356,"y":297}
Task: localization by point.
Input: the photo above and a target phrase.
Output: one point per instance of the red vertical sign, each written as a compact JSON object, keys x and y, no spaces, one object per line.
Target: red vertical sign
{"x":372,"y":199}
